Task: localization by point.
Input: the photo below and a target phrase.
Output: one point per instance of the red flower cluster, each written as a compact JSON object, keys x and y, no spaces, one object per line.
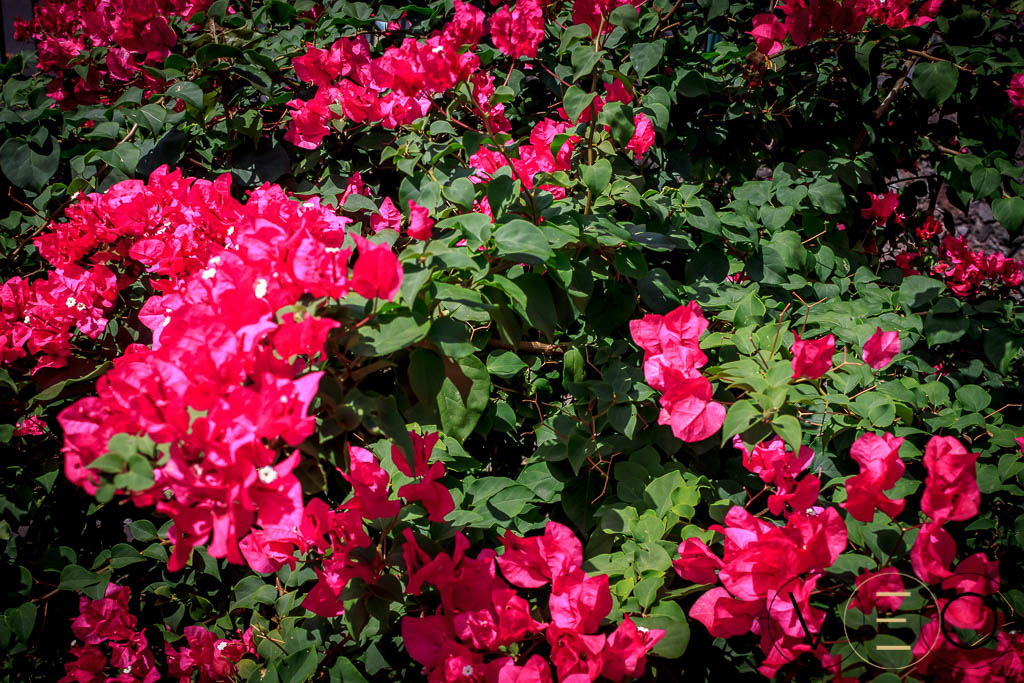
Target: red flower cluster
{"x":136,"y":32}
{"x":108,"y":621}
{"x":967,"y":270}
{"x":533,"y":158}
{"x":520,"y":31}
{"x":393,"y":89}
{"x":780,"y":468}
{"x":481,"y":614}
{"x":596,"y":13}
{"x":812,"y":358}
{"x":881,"y":348}
{"x":340,"y":536}
{"x":883,"y":206}
{"x":223,"y":386}
{"x":1016,"y":91}
{"x":880,"y":469}
{"x":672,"y":362}
{"x":38,"y":317}
{"x":214,"y":659}
{"x":809,"y":20}
{"x":761,"y":559}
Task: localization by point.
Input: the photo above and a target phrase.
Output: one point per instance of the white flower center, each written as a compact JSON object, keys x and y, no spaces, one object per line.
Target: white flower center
{"x":332,"y":250}
{"x":221,"y":645}
{"x":438,"y":49}
{"x":468,"y":669}
{"x":209,"y":273}
{"x":260,"y":288}
{"x":231,"y":230}
{"x":70,"y":303}
{"x":215,"y":260}
{"x":166,"y":322}
{"x":80,"y":306}
{"x":284,"y":399}
{"x":267,"y":474}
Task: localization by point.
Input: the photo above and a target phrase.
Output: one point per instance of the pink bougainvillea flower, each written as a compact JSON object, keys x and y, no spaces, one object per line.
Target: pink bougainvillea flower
{"x":420,"y":222}
{"x":696,"y":562}
{"x":768,"y":33}
{"x":882,"y":207}
{"x":579,"y":602}
{"x":933,"y":553}
{"x":518,"y":32}
{"x":533,"y":561}
{"x":688,"y":409}
{"x":723,"y":615}
{"x":30,"y":426}
{"x":881,"y":348}
{"x":436,"y":497}
{"x":643,"y":137}
{"x":812,"y":358}
{"x":369,"y":486}
{"x":951,"y":487}
{"x":880,"y":469}
{"x":377,"y":272}
{"x":626,"y":650}
{"x":1016,"y":91}
{"x":389,"y":217}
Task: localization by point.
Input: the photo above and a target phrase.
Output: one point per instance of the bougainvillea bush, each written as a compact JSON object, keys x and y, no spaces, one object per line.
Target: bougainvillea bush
{"x":512,"y":342}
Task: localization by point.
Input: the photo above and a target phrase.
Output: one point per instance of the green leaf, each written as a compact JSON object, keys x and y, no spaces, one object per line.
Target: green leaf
{"x":464,"y":394}
{"x":22,"y":620}
{"x":973,"y":398}
{"x":151,"y":117}
{"x":677,"y":635}
{"x":504,"y":364}
{"x":647,"y":590}
{"x":253,"y":590}
{"x":882,"y":411}
{"x":943,"y":329}
{"x":788,"y":427}
{"x":584,"y":59}
{"x":187,"y":91}
{"x":935,"y":81}
{"x":646,"y":56}
{"x":393,"y":331}
{"x":1000,"y":348}
{"x":738,"y":418}
{"x":298,"y":666}
{"x":74,"y":577}
{"x":597,"y":176}
{"x":1009,"y":212}
{"x":25,"y":167}
{"x":572,"y":366}
{"x":462,"y":192}
{"x":575,"y":101}
{"x":985,"y":181}
{"x":452,"y":336}
{"x":522,"y":240}
{"x":124,"y":157}
{"x":827,"y":196}
{"x":917,"y":291}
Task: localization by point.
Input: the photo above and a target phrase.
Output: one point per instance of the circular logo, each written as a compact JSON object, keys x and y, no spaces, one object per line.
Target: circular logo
{"x":892,"y":623}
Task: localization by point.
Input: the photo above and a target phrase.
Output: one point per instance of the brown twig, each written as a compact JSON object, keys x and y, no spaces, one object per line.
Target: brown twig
{"x":529,"y":347}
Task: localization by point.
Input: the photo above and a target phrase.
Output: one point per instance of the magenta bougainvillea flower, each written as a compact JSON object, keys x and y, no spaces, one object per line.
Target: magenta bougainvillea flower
{"x":881,"y":348}
{"x":812,"y":358}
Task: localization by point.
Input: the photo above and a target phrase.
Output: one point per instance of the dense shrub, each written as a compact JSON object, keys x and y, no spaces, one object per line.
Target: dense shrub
{"x":550,"y":341}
